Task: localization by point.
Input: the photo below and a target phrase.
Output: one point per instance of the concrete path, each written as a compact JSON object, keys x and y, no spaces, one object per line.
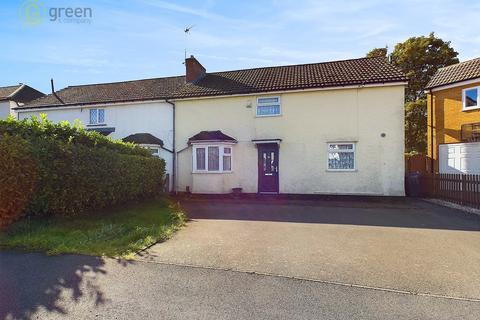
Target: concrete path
{"x":80,"y":287}
{"x":403,"y":245}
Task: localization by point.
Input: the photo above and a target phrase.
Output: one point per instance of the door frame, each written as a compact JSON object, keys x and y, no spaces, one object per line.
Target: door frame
{"x":260,"y":147}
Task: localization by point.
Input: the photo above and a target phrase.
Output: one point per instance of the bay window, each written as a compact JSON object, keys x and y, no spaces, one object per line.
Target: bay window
{"x":212,"y":158}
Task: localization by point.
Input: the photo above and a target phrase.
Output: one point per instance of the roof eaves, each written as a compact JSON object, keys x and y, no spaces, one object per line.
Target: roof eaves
{"x":27,"y":107}
{"x":428,"y":87}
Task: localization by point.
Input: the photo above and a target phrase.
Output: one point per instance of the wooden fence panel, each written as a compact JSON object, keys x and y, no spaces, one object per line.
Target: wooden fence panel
{"x":463,"y":189}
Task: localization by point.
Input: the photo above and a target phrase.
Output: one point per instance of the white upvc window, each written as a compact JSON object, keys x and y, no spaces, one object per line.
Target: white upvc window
{"x":155,"y":151}
{"x":268,"y":106}
{"x":97,"y":116}
{"x":341,"y":156}
{"x":470,"y":98}
{"x":212,"y":158}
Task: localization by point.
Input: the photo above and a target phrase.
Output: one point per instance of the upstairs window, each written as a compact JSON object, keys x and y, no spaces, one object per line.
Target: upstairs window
{"x":269,"y":106}
{"x":97,"y":116}
{"x":341,"y":156}
{"x":212,"y":158}
{"x":470,"y":98}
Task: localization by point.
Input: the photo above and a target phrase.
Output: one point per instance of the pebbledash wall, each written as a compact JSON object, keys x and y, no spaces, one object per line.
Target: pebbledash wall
{"x":153,"y":117}
{"x":308,"y":121}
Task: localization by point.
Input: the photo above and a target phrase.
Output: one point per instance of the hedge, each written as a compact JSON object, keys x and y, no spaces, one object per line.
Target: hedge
{"x":57,"y":169}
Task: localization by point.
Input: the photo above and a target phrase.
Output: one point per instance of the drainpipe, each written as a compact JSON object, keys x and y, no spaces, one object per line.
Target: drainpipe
{"x":432,"y":163}
{"x":174,"y":159}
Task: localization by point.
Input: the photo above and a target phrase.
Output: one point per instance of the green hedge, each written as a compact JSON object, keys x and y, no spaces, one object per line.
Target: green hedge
{"x":73,"y":171}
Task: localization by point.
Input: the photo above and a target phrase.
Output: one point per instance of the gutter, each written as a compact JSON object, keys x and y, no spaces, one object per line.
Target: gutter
{"x":174,"y":159}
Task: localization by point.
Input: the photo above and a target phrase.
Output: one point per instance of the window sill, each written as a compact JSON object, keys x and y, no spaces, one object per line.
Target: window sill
{"x":268,"y":116}
{"x":470,"y":108}
{"x":214,"y":172}
{"x":97,"y":125}
{"x":341,"y":170}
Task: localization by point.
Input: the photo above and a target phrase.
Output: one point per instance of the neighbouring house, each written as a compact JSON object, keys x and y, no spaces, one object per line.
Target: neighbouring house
{"x":136,"y":111}
{"x":14,"y":96}
{"x":321,"y":128}
{"x":454,"y":118}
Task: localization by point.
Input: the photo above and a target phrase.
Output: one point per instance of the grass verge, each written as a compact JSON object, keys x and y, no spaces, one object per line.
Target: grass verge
{"x":118,"y":232}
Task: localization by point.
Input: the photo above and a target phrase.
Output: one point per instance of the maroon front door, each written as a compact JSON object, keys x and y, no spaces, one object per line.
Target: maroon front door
{"x":267,"y":168}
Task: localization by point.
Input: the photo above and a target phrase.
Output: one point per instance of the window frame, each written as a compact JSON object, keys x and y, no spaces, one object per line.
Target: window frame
{"x":353,"y":150}
{"x":265,"y":104}
{"x":221,"y":154}
{"x":97,"y":123}
{"x":464,"y":100}
{"x":150,"y":147}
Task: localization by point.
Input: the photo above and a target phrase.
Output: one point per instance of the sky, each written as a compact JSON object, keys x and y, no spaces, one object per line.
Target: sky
{"x":128,"y":40}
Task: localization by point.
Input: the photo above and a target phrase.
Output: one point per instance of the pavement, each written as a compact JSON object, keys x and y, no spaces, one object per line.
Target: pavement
{"x":395,"y":259}
{"x":77,"y":287}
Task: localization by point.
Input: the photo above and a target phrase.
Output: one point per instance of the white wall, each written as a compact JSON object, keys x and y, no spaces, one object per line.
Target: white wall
{"x":148,"y":117}
{"x":5,"y":110}
{"x":309,"y":120}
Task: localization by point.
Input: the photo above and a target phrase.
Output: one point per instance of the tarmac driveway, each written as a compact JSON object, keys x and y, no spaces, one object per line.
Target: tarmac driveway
{"x":391,"y":244}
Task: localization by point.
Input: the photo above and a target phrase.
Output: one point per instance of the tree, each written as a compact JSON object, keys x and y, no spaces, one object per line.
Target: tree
{"x":416,"y":126}
{"x":377,"y":52}
{"x":419,"y":58}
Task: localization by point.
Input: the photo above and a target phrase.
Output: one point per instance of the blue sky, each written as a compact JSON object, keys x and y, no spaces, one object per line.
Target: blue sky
{"x":129,"y":40}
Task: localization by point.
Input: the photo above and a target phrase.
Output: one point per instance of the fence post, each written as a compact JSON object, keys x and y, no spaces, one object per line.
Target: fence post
{"x":464,"y":189}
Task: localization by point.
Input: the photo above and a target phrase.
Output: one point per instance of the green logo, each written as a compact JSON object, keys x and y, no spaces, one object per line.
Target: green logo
{"x":30,"y":12}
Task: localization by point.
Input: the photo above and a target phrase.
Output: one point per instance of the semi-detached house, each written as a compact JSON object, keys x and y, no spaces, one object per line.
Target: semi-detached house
{"x":321,"y":128}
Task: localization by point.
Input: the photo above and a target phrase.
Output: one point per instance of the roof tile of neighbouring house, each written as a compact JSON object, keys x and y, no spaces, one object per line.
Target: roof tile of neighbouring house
{"x":462,"y":71}
{"x":5,"y":92}
{"x":360,"y":71}
{"x":143,"y":138}
{"x":211,"y":136}
{"x":136,"y":90}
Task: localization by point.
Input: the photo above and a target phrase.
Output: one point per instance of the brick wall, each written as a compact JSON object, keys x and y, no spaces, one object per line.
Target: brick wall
{"x":448,"y":118}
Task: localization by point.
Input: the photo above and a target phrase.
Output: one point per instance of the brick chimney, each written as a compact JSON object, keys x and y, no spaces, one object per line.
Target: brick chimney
{"x":194,"y":70}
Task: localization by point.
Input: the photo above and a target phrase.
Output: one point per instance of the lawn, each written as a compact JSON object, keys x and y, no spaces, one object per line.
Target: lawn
{"x":118,"y":232}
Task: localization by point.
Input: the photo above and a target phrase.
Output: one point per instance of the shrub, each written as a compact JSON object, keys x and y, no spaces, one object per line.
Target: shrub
{"x":78,"y":171}
{"x":17,"y":177}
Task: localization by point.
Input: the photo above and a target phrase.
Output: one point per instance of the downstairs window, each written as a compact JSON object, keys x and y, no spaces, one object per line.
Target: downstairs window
{"x":212,"y":158}
{"x":341,"y":156}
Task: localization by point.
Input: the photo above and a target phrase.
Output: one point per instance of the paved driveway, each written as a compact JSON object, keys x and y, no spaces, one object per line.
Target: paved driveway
{"x":403,"y":244}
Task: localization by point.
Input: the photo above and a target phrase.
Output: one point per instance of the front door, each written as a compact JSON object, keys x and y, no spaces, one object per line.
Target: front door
{"x":268,"y":168}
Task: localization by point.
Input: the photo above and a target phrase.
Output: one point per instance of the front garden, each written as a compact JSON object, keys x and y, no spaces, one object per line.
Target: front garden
{"x":66,"y":190}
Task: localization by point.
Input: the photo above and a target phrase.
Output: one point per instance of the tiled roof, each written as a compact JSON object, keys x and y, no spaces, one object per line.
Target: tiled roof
{"x":316,"y":75}
{"x":143,"y":138}
{"x":7,"y":91}
{"x":361,"y":71}
{"x":147,"y":89}
{"x":211,"y":136}
{"x":462,"y":71}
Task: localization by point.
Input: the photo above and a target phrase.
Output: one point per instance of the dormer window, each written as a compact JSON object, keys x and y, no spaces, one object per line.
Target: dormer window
{"x":470,"y":99}
{"x":97,"y":116}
